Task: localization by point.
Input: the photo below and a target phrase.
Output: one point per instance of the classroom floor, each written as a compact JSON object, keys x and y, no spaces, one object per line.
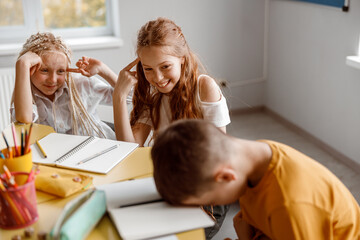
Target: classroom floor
{"x":259,"y":125}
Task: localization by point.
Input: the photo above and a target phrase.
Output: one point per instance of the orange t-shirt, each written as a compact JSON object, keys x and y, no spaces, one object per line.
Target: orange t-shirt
{"x":298,"y":198}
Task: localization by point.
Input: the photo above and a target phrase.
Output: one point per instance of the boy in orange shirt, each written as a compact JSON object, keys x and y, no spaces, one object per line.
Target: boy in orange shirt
{"x":283,"y":193}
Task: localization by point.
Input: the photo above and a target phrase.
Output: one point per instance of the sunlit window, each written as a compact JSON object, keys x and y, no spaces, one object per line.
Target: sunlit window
{"x":68,"y":18}
{"x":11,"y":13}
{"x":74,"y":14}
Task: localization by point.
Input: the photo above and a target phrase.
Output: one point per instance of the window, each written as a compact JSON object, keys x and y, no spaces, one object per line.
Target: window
{"x":68,"y":18}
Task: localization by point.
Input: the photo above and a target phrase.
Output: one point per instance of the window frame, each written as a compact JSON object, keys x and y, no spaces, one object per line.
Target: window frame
{"x":34,"y":22}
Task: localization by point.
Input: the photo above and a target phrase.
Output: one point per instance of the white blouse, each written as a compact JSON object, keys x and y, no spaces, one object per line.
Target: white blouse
{"x":57,"y":114}
{"x":214,"y":112}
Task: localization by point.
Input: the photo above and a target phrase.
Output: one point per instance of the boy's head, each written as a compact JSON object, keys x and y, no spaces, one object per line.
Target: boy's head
{"x":186,"y":158}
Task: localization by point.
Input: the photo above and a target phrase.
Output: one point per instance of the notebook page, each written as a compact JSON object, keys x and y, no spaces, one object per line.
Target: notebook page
{"x":129,"y":192}
{"x":103,"y":163}
{"x":157,"y":219}
{"x":55,"y":145}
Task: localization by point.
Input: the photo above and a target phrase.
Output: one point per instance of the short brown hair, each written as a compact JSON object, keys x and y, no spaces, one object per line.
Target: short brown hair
{"x":184,"y":157}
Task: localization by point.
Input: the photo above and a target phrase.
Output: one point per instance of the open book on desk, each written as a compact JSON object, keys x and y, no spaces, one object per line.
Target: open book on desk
{"x":84,"y":153}
{"x":138,"y":211}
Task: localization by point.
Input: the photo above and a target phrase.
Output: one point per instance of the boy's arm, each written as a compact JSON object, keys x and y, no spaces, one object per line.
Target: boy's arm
{"x":26,"y":66}
{"x":91,"y":66}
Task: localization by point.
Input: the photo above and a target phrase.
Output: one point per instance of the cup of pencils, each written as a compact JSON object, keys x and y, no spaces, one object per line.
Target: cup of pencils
{"x":17,"y":202}
{"x":19,"y":157}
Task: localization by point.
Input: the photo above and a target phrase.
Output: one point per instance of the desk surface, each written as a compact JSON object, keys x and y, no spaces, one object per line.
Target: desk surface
{"x":136,"y":165}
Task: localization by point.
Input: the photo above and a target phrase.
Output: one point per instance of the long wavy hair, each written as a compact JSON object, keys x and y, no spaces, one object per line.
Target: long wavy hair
{"x":40,"y":43}
{"x":184,"y":103}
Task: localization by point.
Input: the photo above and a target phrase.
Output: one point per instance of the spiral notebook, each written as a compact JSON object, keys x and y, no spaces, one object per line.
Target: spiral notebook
{"x":86,"y":153}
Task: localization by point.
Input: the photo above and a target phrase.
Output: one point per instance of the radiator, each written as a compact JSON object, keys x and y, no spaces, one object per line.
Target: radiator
{"x":7,"y":82}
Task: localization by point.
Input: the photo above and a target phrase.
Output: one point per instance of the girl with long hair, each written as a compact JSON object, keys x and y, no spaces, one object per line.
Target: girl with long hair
{"x":168,"y":85}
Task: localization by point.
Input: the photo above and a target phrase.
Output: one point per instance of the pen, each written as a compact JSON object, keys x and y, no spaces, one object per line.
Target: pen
{"x":2,"y":155}
{"x":97,"y":154}
{"x":41,"y":149}
{"x":15,"y":140}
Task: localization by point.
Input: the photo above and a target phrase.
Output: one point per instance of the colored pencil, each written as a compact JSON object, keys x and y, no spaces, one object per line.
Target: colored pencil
{"x":15,"y":139}
{"x":7,"y":144}
{"x":41,"y":149}
{"x":22,"y":141}
{"x":27,"y":142}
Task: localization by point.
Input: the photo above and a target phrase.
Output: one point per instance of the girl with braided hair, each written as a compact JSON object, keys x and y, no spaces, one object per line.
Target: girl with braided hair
{"x":48,"y":92}
{"x":168,"y":87}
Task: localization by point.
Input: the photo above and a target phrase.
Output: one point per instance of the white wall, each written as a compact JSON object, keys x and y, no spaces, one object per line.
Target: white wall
{"x":309,"y":83}
{"x":227,"y":36}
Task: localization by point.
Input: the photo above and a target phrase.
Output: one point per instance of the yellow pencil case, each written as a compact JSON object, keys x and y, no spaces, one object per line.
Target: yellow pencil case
{"x":61,"y":182}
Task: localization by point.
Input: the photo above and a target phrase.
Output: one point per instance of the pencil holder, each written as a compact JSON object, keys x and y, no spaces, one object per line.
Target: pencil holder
{"x":21,"y":163}
{"x":17,"y":204}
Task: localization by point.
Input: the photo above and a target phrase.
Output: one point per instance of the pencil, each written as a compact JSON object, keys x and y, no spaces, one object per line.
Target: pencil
{"x":22,"y":141}
{"x":7,"y":145}
{"x":97,"y":154}
{"x":27,"y":141}
{"x":41,"y":149}
{"x":15,"y":140}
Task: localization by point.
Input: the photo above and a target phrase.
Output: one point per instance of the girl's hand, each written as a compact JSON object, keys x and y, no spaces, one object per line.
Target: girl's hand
{"x":31,"y":60}
{"x":87,"y":66}
{"x":126,"y":79}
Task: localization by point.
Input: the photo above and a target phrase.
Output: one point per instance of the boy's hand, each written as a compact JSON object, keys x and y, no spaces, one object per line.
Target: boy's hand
{"x":31,"y":60}
{"x":243,"y":230}
{"x":87,"y":67}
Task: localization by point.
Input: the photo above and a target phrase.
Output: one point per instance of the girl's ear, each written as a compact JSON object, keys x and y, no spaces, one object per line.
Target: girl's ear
{"x":182,"y":60}
{"x":225,"y":174}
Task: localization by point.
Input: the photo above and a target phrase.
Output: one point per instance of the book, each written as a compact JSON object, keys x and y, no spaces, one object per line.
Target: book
{"x":138,"y":211}
{"x":86,"y":153}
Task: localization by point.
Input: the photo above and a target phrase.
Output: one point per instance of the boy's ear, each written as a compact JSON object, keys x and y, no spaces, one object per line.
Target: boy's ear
{"x":225,"y":174}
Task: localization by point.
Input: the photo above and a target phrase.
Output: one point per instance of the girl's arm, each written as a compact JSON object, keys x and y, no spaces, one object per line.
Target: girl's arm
{"x":123,"y":130}
{"x":91,"y":66}
{"x":26,"y":66}
{"x":209,"y":92}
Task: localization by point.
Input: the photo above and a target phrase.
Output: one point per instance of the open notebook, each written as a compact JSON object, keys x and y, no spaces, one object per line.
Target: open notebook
{"x":138,"y":211}
{"x":85,"y":153}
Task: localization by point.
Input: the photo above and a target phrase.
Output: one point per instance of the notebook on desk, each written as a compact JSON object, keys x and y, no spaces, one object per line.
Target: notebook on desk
{"x":138,"y":212}
{"x":84,"y":153}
